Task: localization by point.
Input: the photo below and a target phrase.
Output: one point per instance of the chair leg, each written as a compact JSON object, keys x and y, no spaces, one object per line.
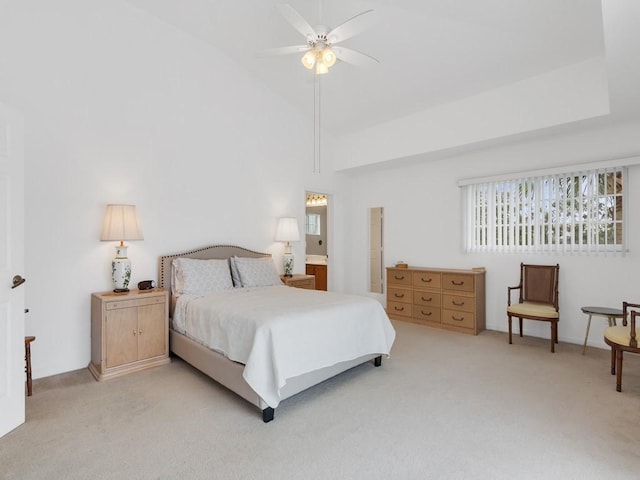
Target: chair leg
{"x":509,"y":329}
{"x":613,"y":361}
{"x":553,"y":338}
{"x":520,"y":318}
{"x":619,"y":369}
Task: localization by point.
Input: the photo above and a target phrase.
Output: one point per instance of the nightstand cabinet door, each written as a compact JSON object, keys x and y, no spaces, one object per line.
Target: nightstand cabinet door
{"x":120,"y":337}
{"x":152,"y":338}
{"x":129,"y":332}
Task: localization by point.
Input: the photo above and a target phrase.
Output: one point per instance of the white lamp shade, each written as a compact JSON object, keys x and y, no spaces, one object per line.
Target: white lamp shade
{"x":121,"y":223}
{"x":287,"y":230}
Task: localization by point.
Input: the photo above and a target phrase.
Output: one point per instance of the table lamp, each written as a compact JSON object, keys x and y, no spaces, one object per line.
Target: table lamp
{"x":120,"y":224}
{"x":287,"y":231}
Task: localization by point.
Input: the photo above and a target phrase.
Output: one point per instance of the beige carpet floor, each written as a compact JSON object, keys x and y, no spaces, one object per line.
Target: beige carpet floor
{"x":444,"y":406}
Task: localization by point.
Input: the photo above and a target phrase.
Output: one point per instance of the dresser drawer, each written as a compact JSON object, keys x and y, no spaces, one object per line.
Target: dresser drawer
{"x":399,"y":276}
{"x":427,"y":280}
{"x":395,"y":294}
{"x":459,"y":319}
{"x":457,"y":281}
{"x":399,"y":309}
{"x":427,"y":298}
{"x":458,"y":302}
{"x":430,"y":314}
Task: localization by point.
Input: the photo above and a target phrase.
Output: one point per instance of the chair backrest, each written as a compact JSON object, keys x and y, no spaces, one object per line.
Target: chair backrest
{"x":539,"y":284}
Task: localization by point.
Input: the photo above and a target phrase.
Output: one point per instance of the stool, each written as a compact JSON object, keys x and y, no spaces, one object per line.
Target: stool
{"x":610,"y":313}
{"x":27,"y":359}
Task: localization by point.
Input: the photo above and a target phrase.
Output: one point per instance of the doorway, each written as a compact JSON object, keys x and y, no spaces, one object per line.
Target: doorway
{"x":316,"y":235}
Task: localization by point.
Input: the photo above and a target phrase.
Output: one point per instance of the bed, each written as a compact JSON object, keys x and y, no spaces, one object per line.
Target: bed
{"x":292,"y":338}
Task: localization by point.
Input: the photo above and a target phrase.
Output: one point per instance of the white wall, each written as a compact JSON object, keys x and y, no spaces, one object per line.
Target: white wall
{"x":422,"y":226}
{"x":122,"y":108}
{"x":569,"y":94}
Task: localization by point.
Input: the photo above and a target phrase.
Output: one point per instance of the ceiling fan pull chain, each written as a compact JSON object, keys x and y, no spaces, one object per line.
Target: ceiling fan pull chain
{"x":316,"y":124}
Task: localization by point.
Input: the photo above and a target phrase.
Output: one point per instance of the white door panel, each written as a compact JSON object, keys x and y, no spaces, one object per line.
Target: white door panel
{"x":12,"y":394}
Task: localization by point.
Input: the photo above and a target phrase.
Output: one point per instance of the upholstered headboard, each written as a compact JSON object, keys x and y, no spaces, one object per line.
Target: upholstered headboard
{"x":206,"y":253}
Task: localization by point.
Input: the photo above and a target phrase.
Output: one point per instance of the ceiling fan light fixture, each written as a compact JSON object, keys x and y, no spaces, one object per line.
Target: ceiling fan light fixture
{"x":309,"y":59}
{"x":321,"y":68}
{"x":328,"y":57}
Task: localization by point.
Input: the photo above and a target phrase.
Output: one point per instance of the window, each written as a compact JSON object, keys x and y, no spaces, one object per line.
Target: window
{"x":577,"y":212}
{"x":313,"y":224}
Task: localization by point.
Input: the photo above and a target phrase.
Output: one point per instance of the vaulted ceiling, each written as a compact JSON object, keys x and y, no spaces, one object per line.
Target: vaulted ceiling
{"x":431,"y":52}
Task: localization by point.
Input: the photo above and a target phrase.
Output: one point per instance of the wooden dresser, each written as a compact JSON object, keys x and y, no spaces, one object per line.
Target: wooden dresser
{"x":442,"y":298}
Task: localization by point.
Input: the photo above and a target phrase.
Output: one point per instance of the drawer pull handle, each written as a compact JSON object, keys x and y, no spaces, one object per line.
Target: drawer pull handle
{"x":398,"y":277}
{"x":428,"y":280}
{"x":426,"y":299}
{"x":135,"y":332}
{"x":426,"y":314}
{"x":457,"y":304}
{"x":457,"y":319}
{"x":457,"y":283}
{"x":399,"y":309}
{"x":398,"y":295}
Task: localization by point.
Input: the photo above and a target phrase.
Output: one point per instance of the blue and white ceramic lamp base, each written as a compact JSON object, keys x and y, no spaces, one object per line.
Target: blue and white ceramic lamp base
{"x":288,"y":264}
{"x":121,"y":270}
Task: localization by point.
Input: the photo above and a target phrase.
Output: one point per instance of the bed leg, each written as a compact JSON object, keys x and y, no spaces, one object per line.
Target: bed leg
{"x":267,"y":414}
{"x":377,"y":361}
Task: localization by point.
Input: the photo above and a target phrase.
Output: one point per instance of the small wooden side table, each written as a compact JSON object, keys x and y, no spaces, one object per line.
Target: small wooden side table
{"x":27,"y":360}
{"x":610,"y":313}
{"x":300,"y":281}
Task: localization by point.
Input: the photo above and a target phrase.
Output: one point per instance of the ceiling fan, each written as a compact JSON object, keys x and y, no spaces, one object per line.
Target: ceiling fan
{"x":321,"y":49}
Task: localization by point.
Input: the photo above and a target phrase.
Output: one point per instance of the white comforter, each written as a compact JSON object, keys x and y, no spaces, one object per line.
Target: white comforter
{"x":281,"y":332}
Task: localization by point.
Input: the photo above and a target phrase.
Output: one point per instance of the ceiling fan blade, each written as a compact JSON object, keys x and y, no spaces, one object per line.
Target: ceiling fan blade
{"x":353,"y":56}
{"x":352,"y":27}
{"x":283,"y":50}
{"x":296,"y":20}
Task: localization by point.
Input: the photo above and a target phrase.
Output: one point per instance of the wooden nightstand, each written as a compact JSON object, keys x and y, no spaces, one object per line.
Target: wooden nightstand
{"x":300,"y":281}
{"x":129,"y":332}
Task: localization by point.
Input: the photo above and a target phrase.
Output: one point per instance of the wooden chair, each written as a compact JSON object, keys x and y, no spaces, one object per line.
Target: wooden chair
{"x":538,"y":299}
{"x":623,"y":339}
{"x":27,"y":361}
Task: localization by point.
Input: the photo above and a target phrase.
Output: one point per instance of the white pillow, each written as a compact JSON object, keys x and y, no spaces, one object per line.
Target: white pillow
{"x":197,"y":277}
{"x":257,"y":272}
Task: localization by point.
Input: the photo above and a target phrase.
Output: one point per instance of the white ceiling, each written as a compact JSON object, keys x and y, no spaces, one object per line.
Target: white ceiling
{"x":431,"y":51}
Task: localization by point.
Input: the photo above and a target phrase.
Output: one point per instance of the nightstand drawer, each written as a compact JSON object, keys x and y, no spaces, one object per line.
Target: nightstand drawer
{"x":138,"y":302}
{"x":300,"y":281}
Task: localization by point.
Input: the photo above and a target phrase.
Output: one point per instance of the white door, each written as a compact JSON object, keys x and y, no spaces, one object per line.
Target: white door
{"x":12,"y":376}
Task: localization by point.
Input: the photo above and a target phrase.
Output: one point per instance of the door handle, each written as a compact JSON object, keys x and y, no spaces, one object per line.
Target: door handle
{"x":17,"y":281}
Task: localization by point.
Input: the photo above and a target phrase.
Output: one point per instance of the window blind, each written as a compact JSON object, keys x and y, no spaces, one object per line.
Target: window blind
{"x":576,"y":212}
